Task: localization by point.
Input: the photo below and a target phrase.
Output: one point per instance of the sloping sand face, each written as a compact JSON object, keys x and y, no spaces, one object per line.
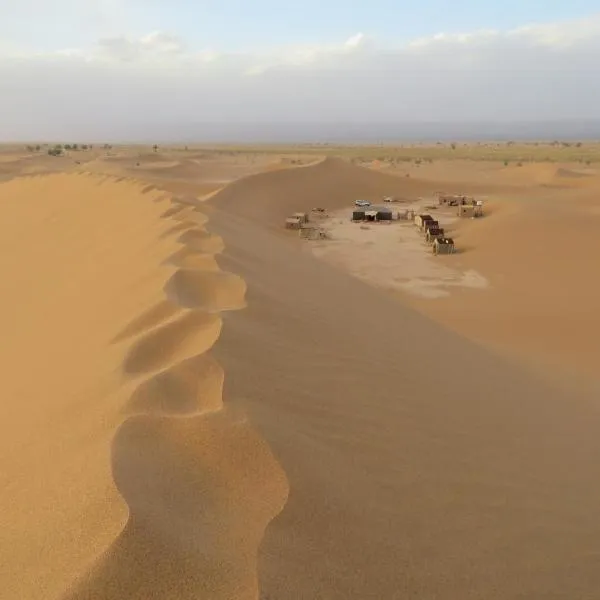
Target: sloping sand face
{"x":122,"y":474}
{"x":421,"y":465}
{"x":542,"y":302}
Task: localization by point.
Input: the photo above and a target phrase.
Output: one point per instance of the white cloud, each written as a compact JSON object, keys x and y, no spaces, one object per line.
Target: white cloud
{"x":154,"y":84}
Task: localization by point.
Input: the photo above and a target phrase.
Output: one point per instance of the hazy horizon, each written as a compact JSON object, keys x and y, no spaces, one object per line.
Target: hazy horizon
{"x":343,"y":133}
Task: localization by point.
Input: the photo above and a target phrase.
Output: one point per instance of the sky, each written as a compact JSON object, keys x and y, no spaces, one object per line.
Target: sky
{"x":114,"y":69}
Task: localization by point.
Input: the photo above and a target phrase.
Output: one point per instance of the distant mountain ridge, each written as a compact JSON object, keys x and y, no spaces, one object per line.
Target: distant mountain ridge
{"x":176,"y":132}
{"x":365,"y":133}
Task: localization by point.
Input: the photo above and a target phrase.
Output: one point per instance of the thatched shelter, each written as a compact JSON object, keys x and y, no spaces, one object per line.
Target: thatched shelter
{"x":443,"y":245}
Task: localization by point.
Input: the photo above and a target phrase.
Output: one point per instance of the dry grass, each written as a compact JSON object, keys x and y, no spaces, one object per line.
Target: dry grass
{"x":513,"y":152}
{"x":486,"y":151}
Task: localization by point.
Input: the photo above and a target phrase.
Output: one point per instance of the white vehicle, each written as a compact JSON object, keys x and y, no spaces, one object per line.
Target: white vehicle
{"x":362,"y":203}
{"x":389,"y":199}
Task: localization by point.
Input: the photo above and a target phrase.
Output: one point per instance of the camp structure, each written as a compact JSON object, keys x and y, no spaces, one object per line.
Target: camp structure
{"x":427,"y":225}
{"x":293,"y":223}
{"x":312,"y":233}
{"x":450,"y":199}
{"x":302,"y":216}
{"x":434,"y":233}
{"x":420,"y":220}
{"x":372,"y":213}
{"x":443,"y":245}
{"x":471,"y":209}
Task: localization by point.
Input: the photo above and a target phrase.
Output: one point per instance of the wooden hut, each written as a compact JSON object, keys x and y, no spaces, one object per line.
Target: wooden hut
{"x":450,"y":199}
{"x":420,"y":220}
{"x":302,"y":216}
{"x":311,"y":233}
{"x":443,"y":245}
{"x":384,"y":214}
{"x":293,"y":223}
{"x":434,"y":234}
{"x":427,"y":225}
{"x":471,"y":209}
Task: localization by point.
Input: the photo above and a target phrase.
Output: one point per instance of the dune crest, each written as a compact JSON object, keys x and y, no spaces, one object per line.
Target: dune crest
{"x":143,"y":483}
{"x":200,"y":484}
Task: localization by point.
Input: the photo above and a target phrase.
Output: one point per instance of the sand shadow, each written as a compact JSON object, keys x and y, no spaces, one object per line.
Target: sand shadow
{"x":201,"y":492}
{"x":173,"y":210}
{"x":177,"y":228}
{"x":193,"y":386}
{"x":202,"y":241}
{"x":191,"y":334}
{"x":155,"y":315}
{"x":209,"y":290}
{"x":186,"y":258}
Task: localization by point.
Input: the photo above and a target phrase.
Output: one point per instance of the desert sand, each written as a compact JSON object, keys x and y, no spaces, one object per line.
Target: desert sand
{"x":199,"y":404}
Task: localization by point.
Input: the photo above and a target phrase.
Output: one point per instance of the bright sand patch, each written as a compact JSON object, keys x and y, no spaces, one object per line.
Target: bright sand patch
{"x":392,"y":256}
{"x":126,"y":506}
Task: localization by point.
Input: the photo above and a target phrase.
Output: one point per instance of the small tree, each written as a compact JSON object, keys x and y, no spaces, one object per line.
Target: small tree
{"x":38,"y":148}
{"x":453,"y":146}
{"x":155,"y":148}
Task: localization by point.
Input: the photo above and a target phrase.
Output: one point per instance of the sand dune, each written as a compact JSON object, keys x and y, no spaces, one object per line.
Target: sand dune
{"x":196,"y":407}
{"x":421,"y":465}
{"x":106,"y":494}
{"x":208,"y":290}
{"x":333,"y":184}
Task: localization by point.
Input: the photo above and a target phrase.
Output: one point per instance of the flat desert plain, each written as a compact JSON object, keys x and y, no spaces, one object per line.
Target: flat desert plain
{"x":198,"y":403}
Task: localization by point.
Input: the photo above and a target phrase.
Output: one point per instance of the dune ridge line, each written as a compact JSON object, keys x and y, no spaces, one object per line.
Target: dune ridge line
{"x":200,"y":484}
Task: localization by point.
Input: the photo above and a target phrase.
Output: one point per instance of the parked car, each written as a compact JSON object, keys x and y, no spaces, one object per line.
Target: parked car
{"x":362,"y":203}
